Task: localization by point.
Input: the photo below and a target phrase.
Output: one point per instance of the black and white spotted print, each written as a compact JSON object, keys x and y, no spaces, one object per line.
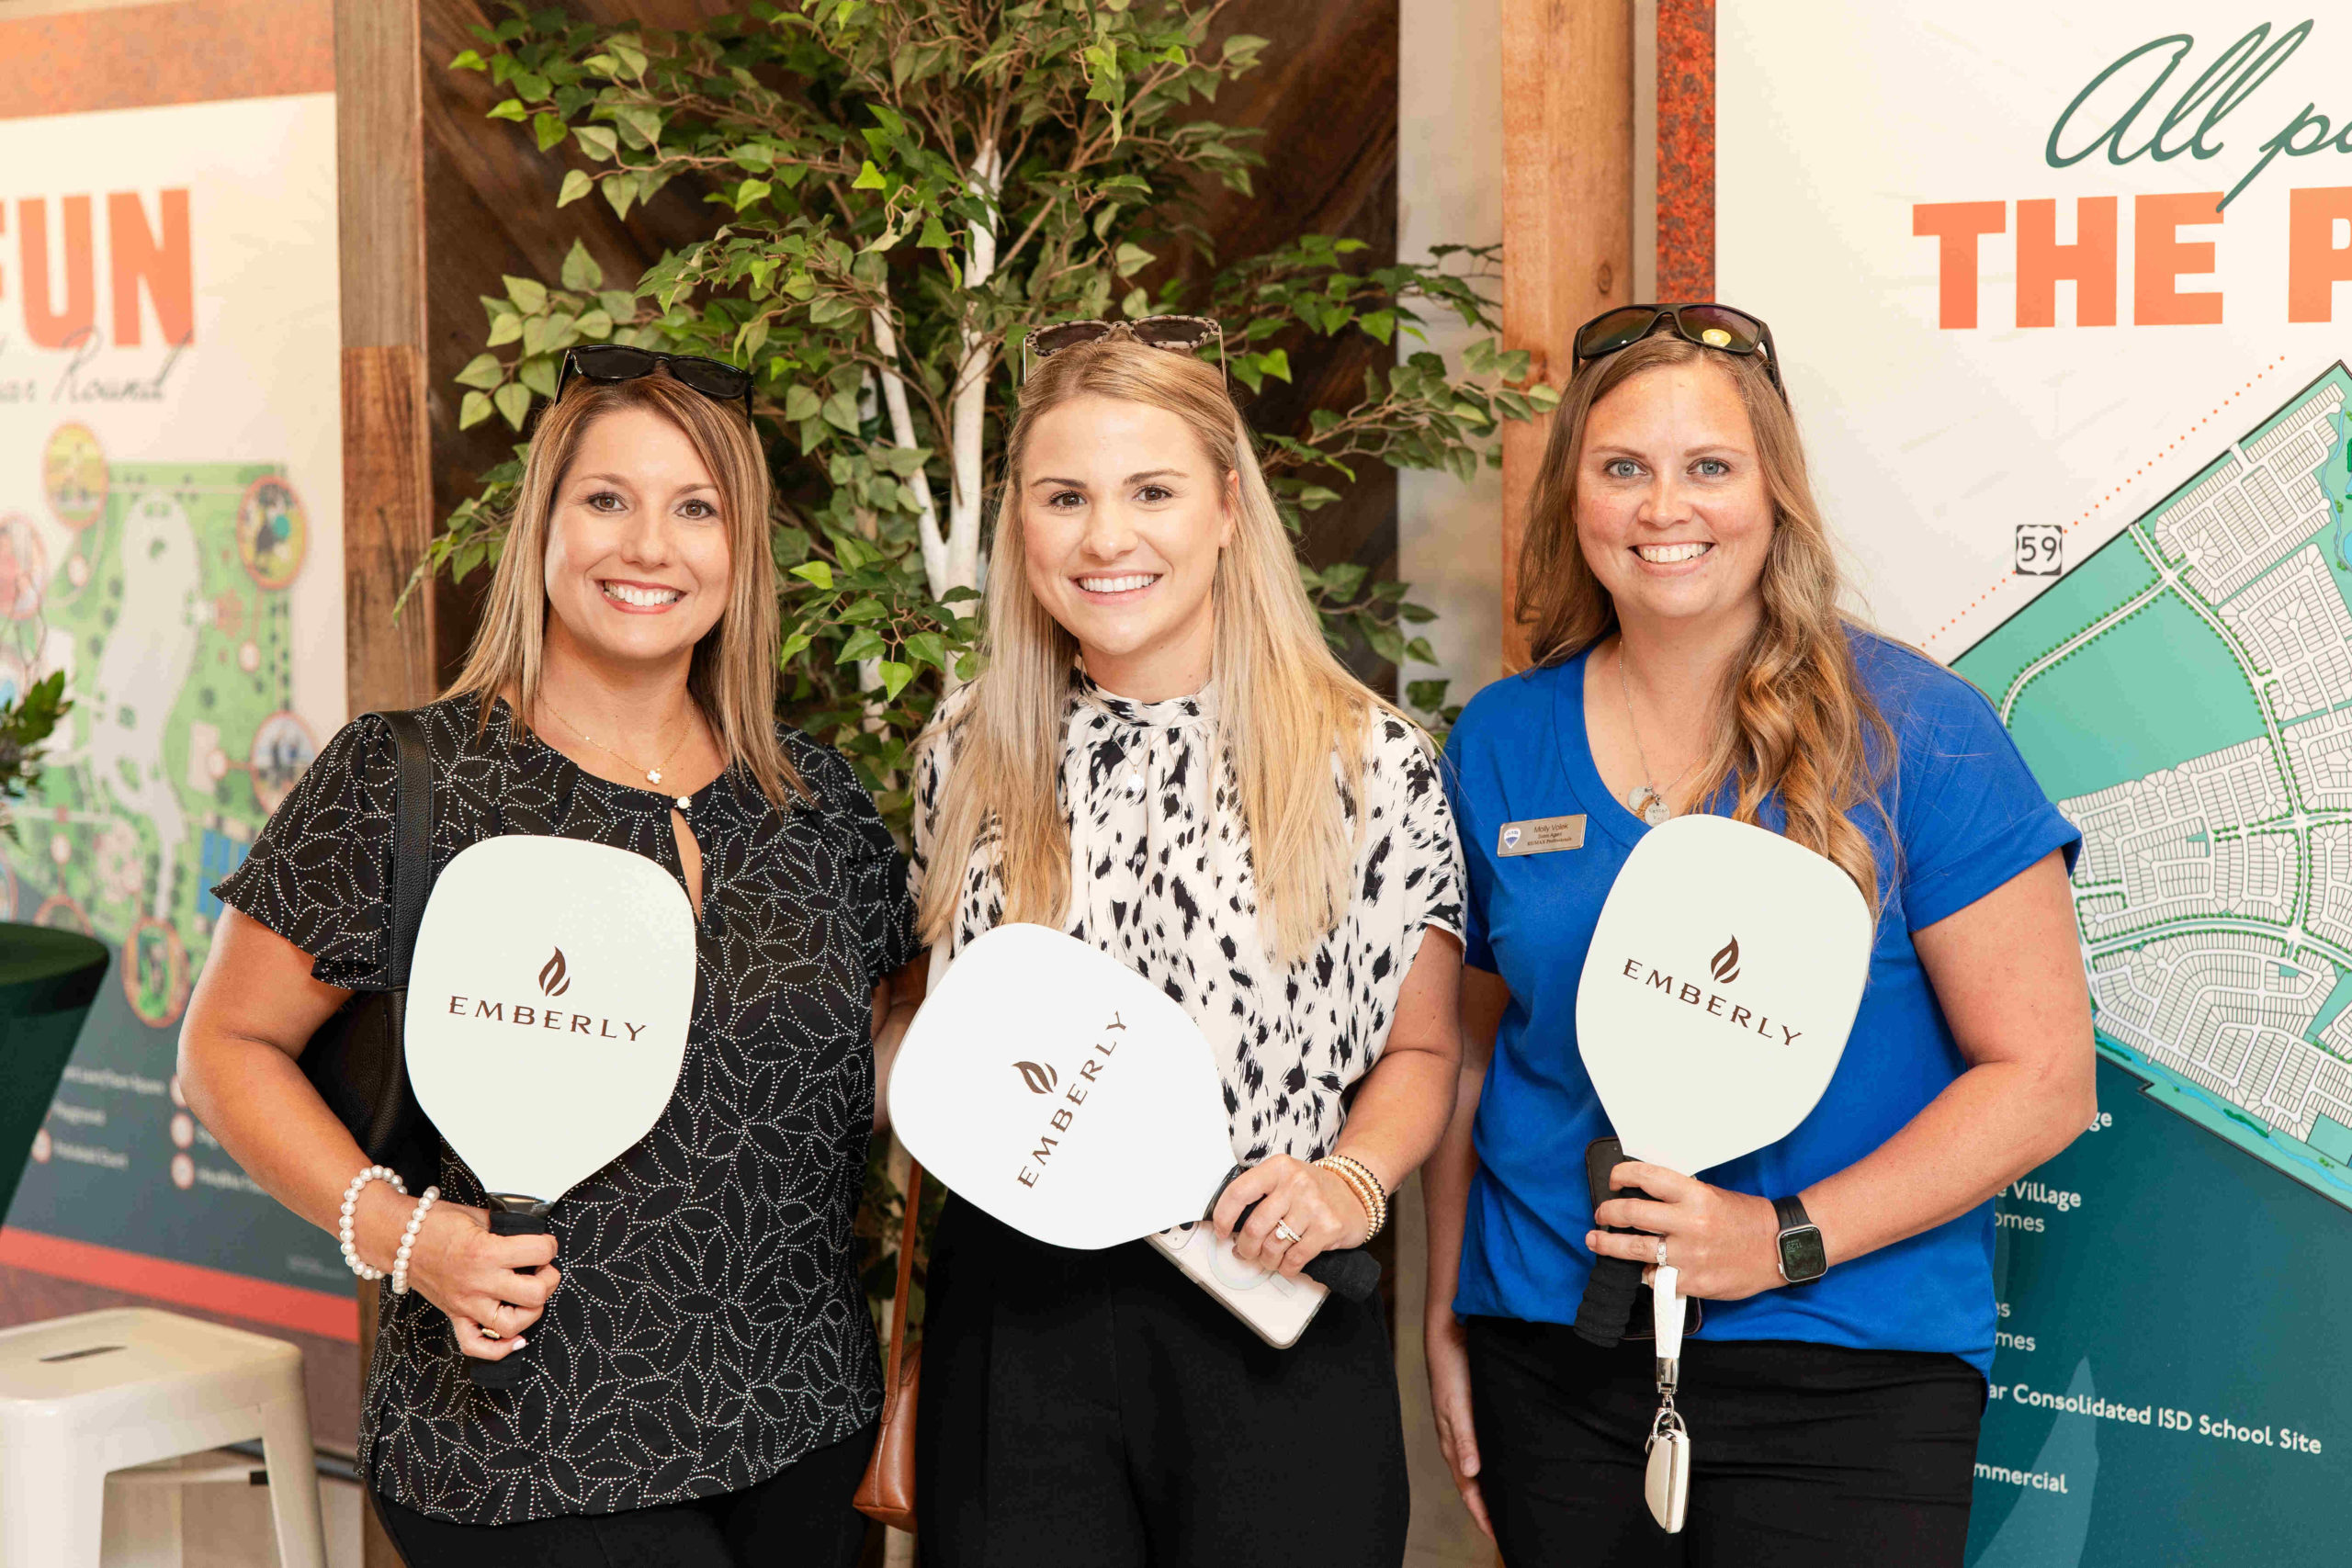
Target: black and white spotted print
{"x":710,"y":1328}
{"x":1162,"y":879}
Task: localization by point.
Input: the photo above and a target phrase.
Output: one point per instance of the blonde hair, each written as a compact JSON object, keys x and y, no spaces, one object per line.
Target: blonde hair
{"x":1800,"y":722}
{"x":1286,"y":708}
{"x":732,"y":675}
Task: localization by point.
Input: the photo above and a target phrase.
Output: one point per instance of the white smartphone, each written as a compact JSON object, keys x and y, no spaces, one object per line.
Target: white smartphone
{"x":1277,"y":1308}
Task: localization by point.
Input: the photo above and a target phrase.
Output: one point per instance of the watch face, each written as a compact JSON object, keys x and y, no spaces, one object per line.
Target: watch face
{"x":1802,"y":1255}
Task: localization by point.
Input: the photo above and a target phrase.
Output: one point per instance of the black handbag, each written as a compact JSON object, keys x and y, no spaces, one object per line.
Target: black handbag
{"x":357,"y":1059}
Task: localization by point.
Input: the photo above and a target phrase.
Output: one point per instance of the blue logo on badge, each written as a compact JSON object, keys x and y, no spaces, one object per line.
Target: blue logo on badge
{"x":1510,"y":838}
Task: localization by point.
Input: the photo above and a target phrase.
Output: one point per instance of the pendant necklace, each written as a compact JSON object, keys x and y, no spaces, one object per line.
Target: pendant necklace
{"x":653,"y":773}
{"x":1645,"y":799}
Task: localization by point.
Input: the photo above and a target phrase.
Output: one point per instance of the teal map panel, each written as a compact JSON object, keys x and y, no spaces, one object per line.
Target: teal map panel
{"x":167,"y":606}
{"x":2167,"y":1389}
{"x":2186,"y":696}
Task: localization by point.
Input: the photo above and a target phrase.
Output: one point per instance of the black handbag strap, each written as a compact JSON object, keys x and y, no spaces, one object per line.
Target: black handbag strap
{"x":411,"y":838}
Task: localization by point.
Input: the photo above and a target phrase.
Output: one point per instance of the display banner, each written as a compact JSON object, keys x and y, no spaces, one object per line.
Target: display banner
{"x":2064,"y":295}
{"x":170,"y":506}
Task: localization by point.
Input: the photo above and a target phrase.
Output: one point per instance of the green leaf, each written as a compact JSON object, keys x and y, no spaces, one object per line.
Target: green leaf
{"x":841,"y":412}
{"x":863,"y":643}
{"x":538,"y":375}
{"x":576,"y":184}
{"x":482,"y":370}
{"x":792,"y":645}
{"x":749,"y":192}
{"x":514,"y":400}
{"x":619,"y":191}
{"x":511,"y":108}
{"x":927,"y":647}
{"x":816,"y":571}
{"x":580,"y":272}
{"x":1275,"y":363}
{"x":473,"y":411}
{"x":934,"y":234}
{"x":864,"y":610}
{"x":895,"y":677}
{"x":801,"y":402}
{"x":1132,"y":258}
{"x":642,"y":125}
{"x":596,"y":324}
{"x":548,"y":128}
{"x":530,"y":296}
{"x":870,"y":178}
{"x":505,"y":330}
{"x":598,"y":142}
{"x":467,"y":59}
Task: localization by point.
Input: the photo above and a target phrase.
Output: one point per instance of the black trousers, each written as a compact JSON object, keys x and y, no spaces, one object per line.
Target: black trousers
{"x":1101,"y":1410}
{"x":1811,"y":1456}
{"x":800,"y":1518}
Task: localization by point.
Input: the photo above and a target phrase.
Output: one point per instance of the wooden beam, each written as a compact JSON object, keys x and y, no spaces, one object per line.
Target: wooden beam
{"x":387,"y":473}
{"x":1568,"y":208}
{"x":387,"y":485}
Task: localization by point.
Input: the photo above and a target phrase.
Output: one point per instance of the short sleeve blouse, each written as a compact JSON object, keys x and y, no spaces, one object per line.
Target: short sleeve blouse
{"x":1961,"y":816}
{"x":710,"y":1328}
{"x":1161,"y":878}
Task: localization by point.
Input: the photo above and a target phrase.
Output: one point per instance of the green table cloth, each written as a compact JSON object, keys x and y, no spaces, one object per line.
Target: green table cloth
{"x":48,"y":979}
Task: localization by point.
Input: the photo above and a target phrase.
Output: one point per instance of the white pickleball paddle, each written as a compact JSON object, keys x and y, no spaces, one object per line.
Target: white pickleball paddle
{"x":549,"y":1004}
{"x":1056,"y":1089}
{"x":1722,"y":982}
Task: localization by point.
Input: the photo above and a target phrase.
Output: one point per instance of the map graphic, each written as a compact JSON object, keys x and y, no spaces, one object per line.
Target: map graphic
{"x":2185,"y":695}
{"x":162,"y":590}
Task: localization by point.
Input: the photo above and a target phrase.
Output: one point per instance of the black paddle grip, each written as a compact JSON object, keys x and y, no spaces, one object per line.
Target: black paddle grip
{"x":507,"y":1371}
{"x":1349,"y":1272}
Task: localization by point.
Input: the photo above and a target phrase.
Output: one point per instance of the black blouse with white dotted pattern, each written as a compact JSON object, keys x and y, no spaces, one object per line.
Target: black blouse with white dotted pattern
{"x":710,"y":1328}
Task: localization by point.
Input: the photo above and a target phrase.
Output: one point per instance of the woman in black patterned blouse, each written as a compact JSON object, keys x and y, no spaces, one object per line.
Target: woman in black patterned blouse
{"x":702,"y":1387}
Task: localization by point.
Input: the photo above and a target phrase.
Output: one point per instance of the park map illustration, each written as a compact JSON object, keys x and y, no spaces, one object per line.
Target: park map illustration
{"x":2185,"y":695}
{"x":167,"y":606}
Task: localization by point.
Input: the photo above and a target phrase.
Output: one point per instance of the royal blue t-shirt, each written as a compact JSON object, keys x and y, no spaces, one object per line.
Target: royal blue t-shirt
{"x":1970,"y":817}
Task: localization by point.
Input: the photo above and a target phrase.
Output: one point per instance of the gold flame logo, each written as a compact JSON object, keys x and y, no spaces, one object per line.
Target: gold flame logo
{"x":1040,"y":1078}
{"x":1724,"y":965}
{"x":554,"y":980}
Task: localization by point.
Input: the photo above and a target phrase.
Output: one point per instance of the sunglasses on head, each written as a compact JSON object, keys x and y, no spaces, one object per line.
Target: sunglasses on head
{"x":1178,"y":334}
{"x":608,"y":363}
{"x":1708,"y":326}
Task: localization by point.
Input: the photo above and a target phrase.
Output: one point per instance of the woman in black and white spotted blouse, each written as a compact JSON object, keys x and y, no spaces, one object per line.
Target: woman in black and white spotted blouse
{"x":1164,"y":760}
{"x":700,"y":1387}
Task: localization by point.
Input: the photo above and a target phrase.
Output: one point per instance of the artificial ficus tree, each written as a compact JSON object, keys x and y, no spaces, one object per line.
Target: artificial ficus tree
{"x":900,"y":190}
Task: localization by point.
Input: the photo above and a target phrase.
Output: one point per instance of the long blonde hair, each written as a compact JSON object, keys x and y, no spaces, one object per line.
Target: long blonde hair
{"x":1800,"y":722}
{"x":1286,"y":708}
{"x":732,"y":675}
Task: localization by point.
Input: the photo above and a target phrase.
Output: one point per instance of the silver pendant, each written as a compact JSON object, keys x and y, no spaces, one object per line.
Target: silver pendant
{"x":1648,"y":805}
{"x":652,"y":775}
{"x":1666,"y":1482}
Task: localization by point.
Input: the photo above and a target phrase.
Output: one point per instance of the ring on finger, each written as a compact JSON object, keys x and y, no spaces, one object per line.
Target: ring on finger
{"x":1283,"y":1234}
{"x":1661,"y":1252}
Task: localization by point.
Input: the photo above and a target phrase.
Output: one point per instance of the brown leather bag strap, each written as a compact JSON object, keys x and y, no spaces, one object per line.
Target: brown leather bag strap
{"x":906,"y":1276}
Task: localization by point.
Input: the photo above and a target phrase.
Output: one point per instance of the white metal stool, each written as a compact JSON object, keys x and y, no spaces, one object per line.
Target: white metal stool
{"x":81,"y":1396}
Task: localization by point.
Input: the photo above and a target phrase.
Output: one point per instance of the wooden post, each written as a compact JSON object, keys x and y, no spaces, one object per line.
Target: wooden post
{"x":387,"y":488}
{"x":1567,"y":212}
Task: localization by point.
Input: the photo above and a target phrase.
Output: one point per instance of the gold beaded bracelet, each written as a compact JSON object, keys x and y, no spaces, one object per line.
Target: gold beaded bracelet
{"x":1366,"y":1187}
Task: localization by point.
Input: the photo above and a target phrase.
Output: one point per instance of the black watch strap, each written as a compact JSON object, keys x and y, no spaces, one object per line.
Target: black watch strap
{"x":1791,"y":1212}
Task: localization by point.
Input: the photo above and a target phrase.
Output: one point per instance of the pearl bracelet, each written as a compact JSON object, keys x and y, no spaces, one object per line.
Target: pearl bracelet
{"x":351,"y":1203}
{"x":408,"y":1239}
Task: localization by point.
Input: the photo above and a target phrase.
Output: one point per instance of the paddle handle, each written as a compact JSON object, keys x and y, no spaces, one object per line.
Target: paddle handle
{"x":508,"y":1371}
{"x":1349,"y":1272}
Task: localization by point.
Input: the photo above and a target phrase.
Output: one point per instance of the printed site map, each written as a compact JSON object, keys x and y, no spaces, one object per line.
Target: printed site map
{"x":160,"y":590}
{"x":2185,"y":695}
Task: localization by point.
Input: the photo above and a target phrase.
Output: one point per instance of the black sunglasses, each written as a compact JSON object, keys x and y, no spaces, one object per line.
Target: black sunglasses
{"x":1708,"y":326}
{"x":1178,"y":334}
{"x":607,"y":363}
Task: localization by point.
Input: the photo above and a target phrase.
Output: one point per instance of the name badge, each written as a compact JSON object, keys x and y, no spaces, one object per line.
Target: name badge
{"x":1541,"y":837}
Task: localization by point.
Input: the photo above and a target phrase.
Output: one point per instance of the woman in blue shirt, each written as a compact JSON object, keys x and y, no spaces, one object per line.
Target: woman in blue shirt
{"x":1690,"y":654}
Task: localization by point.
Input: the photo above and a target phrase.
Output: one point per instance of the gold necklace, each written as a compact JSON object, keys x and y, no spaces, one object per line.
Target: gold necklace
{"x":1646,"y":799}
{"x":652,"y":775}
